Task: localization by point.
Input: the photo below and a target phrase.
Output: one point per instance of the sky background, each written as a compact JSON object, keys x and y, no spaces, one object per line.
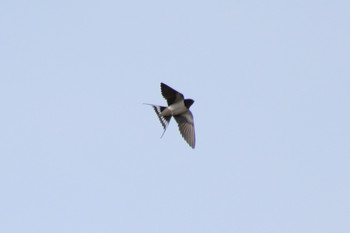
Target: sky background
{"x":79,"y":152}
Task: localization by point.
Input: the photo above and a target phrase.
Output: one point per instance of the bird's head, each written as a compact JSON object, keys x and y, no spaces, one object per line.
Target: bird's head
{"x":188,"y":103}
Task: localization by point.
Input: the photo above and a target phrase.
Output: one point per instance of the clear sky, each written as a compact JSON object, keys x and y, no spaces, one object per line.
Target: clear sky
{"x":79,"y":152}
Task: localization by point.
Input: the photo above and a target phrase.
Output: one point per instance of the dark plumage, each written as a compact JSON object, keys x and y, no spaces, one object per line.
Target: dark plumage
{"x":178,"y":107}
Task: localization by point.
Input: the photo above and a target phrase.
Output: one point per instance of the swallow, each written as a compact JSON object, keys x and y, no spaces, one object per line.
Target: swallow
{"x":179,"y":108}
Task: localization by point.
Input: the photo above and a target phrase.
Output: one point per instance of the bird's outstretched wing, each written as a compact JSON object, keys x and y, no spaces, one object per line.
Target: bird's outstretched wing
{"x":171,"y":95}
{"x":186,"y":127}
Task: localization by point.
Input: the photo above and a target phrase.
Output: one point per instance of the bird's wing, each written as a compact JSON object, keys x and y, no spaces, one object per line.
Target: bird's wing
{"x":186,"y":127}
{"x":171,"y":95}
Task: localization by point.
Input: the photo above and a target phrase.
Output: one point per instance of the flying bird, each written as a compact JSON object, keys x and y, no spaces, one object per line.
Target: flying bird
{"x":178,"y":107}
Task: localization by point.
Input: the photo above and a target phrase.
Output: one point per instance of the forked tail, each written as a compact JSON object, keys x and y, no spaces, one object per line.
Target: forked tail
{"x":164,"y":120}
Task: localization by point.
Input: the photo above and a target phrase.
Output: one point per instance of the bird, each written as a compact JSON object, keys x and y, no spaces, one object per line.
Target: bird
{"x":179,"y":108}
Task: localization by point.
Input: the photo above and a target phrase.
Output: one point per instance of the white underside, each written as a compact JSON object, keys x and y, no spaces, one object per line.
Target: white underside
{"x":174,"y":109}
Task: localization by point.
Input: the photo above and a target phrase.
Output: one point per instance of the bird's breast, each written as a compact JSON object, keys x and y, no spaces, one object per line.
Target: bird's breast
{"x":174,"y":109}
{"x":178,"y":108}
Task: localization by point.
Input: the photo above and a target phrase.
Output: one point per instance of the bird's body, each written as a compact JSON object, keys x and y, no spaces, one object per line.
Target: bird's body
{"x":178,"y":107}
{"x":174,"y":109}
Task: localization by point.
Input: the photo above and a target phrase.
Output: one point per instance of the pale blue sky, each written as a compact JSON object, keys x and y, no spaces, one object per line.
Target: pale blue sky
{"x":79,"y":152}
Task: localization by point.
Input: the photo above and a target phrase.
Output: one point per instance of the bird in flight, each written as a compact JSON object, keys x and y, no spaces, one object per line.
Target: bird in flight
{"x":178,"y":107}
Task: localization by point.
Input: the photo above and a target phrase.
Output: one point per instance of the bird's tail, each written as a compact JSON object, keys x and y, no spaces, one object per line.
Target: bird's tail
{"x":164,"y":120}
